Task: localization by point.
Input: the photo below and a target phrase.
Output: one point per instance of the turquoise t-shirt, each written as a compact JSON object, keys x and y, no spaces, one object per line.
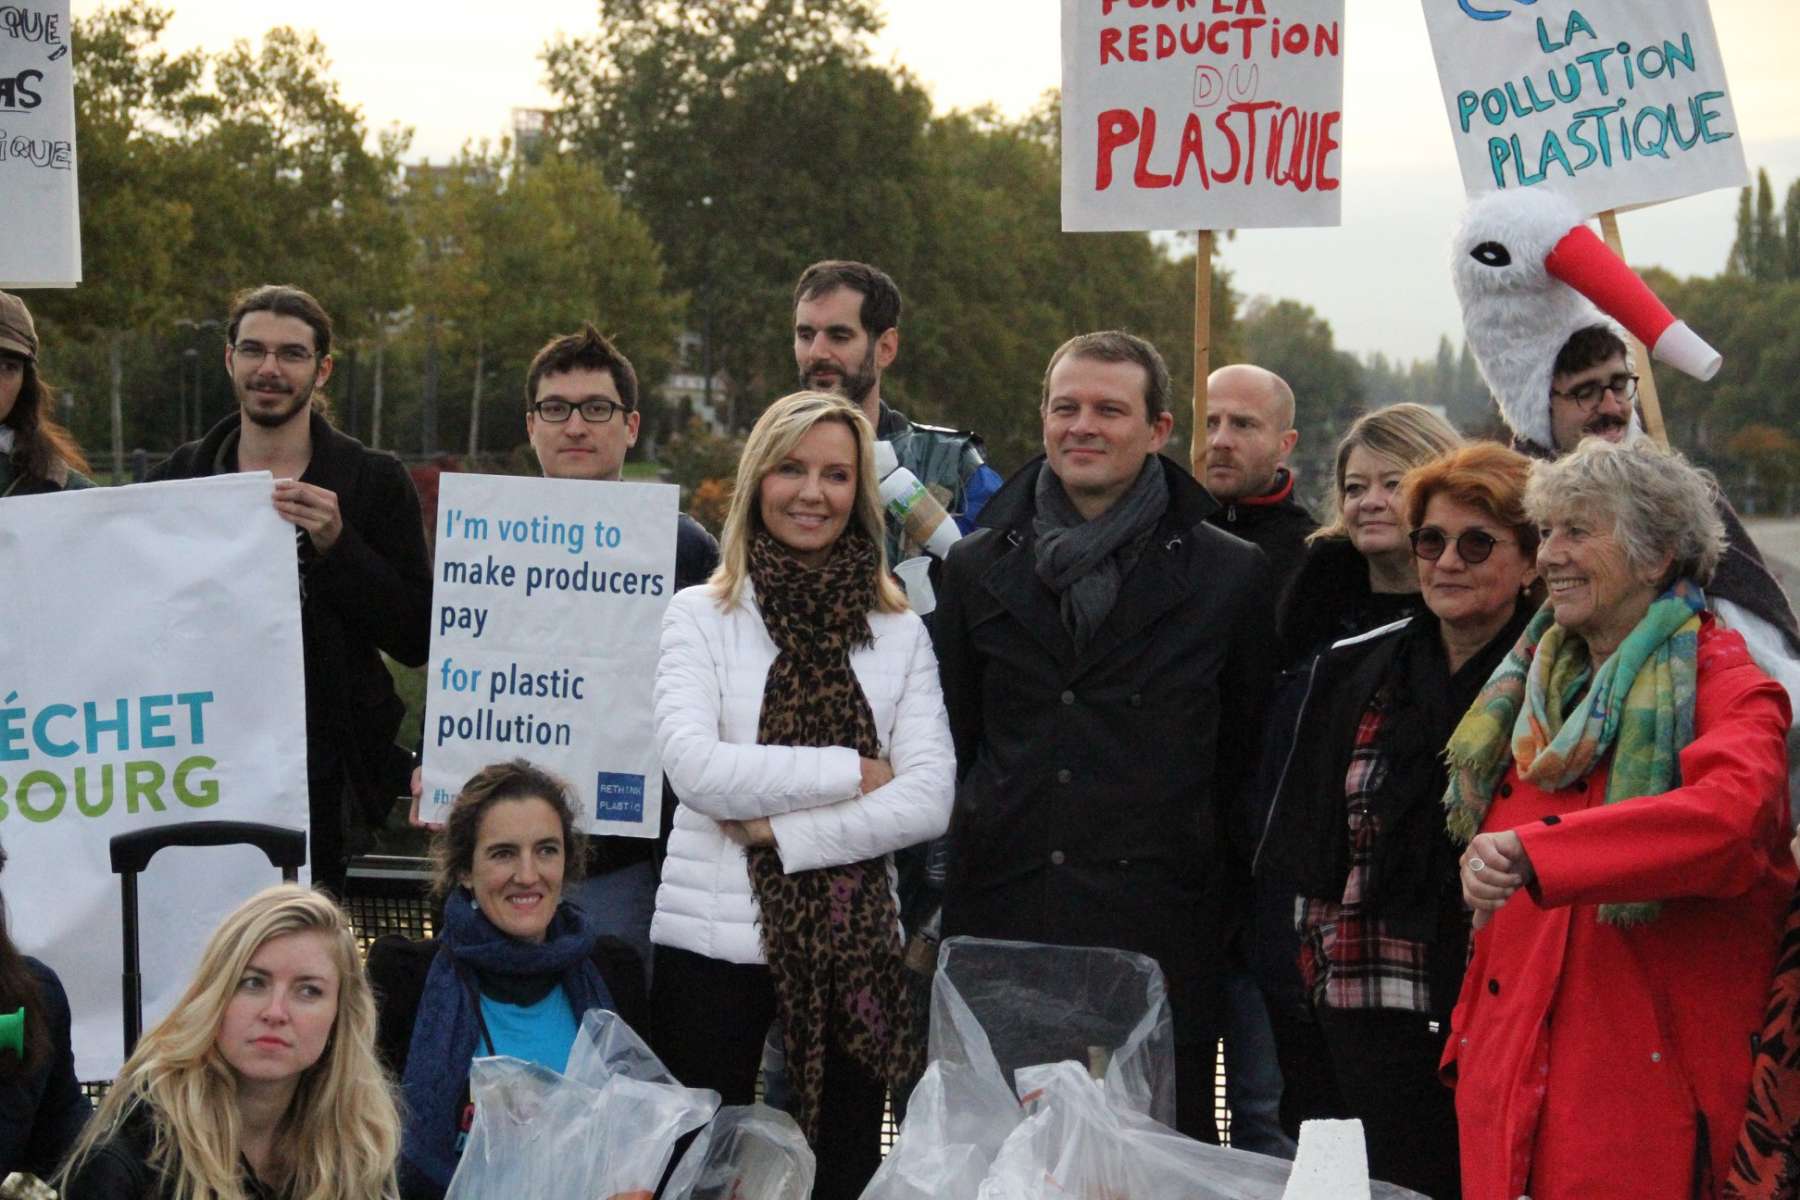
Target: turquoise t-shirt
{"x":542,"y":1033}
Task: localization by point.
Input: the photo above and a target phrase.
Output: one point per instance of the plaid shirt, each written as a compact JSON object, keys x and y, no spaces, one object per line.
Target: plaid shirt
{"x":1346,"y":956}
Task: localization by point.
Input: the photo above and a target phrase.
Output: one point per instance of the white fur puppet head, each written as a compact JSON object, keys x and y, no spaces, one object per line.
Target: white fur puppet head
{"x":1528,"y":274}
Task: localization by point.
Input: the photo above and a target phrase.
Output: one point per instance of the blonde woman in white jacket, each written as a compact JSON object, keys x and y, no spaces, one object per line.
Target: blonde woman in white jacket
{"x":801,"y":724}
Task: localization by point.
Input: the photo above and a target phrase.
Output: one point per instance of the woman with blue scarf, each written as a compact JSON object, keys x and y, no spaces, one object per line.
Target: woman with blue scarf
{"x":1621,"y":787}
{"x":512,"y":972}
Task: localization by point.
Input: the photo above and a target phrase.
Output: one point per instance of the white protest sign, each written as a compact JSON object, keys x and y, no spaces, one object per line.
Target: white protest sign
{"x":150,"y":674}
{"x":40,"y":233}
{"x":1612,"y":104}
{"x":546,"y":614}
{"x":1205,"y":114}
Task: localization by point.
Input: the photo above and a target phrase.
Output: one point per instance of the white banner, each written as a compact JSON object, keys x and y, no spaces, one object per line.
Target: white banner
{"x":40,"y":232}
{"x":150,"y":674}
{"x":546,"y":612}
{"x":1224,"y":114}
{"x":1613,"y":103}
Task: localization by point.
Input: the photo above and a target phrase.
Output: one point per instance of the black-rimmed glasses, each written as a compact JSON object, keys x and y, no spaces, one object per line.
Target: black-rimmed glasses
{"x":1472,"y":545}
{"x":594,"y":412}
{"x":1588,"y":394}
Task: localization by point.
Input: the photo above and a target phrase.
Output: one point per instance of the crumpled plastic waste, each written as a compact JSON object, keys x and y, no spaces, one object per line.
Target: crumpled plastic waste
{"x":1051,"y":1077}
{"x":606,"y":1130}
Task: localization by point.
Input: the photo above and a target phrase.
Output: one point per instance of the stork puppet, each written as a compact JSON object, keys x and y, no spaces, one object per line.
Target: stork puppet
{"x":1529,"y":273}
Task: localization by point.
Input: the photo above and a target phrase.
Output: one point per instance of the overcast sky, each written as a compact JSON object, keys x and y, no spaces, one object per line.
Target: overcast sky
{"x":454,"y":69}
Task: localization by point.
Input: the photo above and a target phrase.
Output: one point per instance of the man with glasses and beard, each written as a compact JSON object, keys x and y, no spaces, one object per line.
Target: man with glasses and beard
{"x":365,"y":572}
{"x":846,"y":333}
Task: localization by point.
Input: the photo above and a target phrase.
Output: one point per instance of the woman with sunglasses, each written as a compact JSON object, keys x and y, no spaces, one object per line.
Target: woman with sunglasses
{"x":1384,"y":932}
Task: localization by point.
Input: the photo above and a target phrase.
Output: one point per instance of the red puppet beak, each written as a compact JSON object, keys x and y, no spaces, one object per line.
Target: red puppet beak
{"x":1584,"y":262}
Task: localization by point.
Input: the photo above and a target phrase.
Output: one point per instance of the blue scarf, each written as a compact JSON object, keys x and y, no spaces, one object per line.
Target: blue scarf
{"x":446,"y":1030}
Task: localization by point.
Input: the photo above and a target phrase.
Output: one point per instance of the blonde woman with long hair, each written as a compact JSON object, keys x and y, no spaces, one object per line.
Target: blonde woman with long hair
{"x":261,"y":1083}
{"x":801,"y":724}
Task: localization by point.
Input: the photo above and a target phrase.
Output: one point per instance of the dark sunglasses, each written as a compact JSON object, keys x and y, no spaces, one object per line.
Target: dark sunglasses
{"x":1472,"y":545}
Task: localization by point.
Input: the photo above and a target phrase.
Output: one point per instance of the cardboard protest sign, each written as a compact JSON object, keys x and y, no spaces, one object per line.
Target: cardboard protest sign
{"x":547,"y":611}
{"x":150,"y":673}
{"x":1213,"y":114}
{"x":40,"y":236}
{"x":1613,"y":105}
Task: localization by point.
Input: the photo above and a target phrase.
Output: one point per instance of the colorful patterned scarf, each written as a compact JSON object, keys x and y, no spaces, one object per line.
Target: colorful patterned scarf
{"x":831,"y":936}
{"x":1547,"y":709}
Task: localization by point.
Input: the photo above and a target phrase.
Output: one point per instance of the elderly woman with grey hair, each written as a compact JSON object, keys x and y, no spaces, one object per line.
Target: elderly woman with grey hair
{"x":1621,"y":784}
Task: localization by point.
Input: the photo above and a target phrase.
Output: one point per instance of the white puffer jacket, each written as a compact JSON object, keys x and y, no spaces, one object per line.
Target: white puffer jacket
{"x":709,"y":692}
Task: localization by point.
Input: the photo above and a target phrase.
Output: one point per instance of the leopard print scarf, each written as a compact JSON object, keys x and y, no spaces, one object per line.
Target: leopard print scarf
{"x":830,"y":936}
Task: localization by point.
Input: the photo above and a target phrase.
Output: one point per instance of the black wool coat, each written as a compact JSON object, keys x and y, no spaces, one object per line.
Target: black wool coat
{"x":1094,"y":789}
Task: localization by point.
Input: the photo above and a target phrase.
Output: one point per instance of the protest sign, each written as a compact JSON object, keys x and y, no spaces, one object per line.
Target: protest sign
{"x":150,"y":674}
{"x":1212,"y":114}
{"x":1613,"y":105}
{"x":546,"y":613}
{"x":40,"y":237}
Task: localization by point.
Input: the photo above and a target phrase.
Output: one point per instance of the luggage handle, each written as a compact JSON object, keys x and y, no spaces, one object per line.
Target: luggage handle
{"x":285,"y":848}
{"x":132,"y":852}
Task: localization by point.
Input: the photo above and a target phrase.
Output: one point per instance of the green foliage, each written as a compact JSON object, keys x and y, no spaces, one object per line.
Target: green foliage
{"x":1292,"y":340}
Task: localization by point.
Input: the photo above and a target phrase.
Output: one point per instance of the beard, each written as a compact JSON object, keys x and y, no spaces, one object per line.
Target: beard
{"x":298,"y":399}
{"x":854,"y":387}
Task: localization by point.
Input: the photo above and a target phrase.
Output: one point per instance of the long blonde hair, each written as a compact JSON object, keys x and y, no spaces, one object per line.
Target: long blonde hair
{"x":1407,"y":435}
{"x":774,"y":437}
{"x":341,"y":1133}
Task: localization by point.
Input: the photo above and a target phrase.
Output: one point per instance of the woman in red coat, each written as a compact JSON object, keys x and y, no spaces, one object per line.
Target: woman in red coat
{"x":1622,"y":786}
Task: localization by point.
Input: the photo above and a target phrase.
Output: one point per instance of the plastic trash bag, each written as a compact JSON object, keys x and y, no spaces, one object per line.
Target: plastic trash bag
{"x":547,"y":1136}
{"x":1051,"y":1076}
{"x":749,"y":1152}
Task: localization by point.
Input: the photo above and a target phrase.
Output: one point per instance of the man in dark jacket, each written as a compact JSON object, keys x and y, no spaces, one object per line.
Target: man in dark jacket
{"x":1249,"y":435}
{"x":365,"y":573}
{"x":1092,"y":638}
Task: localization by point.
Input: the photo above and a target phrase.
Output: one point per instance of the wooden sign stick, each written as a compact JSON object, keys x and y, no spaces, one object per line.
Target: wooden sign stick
{"x":1203,"y":251}
{"x":1648,"y":402}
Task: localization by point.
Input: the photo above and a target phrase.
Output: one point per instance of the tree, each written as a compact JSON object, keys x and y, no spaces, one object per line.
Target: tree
{"x":137,"y":104}
{"x":753,"y":137}
{"x":1292,"y":340}
{"x":509,"y":255}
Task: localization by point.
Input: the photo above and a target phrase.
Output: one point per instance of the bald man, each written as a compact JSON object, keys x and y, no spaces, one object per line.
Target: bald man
{"x":1249,"y":435}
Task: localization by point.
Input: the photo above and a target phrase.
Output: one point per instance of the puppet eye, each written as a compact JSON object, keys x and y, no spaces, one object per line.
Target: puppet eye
{"x":1491,"y":254}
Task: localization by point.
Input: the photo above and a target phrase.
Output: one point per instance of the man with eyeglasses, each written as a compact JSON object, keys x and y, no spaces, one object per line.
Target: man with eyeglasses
{"x":365,"y":572}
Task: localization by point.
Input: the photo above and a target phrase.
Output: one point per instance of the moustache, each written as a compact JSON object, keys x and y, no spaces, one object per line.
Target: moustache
{"x":1604,"y":422}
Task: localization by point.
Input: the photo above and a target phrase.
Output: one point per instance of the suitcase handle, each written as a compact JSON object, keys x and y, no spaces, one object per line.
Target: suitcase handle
{"x":132,"y":852}
{"x":285,"y":848}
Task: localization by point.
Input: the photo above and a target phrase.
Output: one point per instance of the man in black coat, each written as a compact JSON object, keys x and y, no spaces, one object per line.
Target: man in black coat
{"x":365,"y":572}
{"x":1104,"y":653}
{"x":1249,"y":435}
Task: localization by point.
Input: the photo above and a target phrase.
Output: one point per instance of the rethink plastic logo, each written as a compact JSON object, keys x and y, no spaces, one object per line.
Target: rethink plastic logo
{"x":619,"y":797}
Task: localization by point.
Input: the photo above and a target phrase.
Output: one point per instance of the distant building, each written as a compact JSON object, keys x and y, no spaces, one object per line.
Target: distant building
{"x":685,"y":394}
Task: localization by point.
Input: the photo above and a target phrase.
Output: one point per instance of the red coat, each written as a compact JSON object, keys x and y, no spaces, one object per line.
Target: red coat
{"x":1569,"y":1086}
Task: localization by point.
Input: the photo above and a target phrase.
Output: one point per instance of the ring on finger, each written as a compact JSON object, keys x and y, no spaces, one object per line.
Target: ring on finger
{"x":1475,"y":866}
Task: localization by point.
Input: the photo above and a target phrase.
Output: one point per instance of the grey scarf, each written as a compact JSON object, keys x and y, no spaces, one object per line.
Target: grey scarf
{"x":1085,"y":561}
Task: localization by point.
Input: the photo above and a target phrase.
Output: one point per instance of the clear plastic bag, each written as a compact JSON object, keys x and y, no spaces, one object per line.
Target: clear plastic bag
{"x":548,"y":1136}
{"x":1050,"y":1076}
{"x":749,"y":1152}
